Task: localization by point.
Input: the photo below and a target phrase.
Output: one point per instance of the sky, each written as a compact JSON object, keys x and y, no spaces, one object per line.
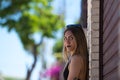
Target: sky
{"x":12,"y":54}
{"x":14,"y":59}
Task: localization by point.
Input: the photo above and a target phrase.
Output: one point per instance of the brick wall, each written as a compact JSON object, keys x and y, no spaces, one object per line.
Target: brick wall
{"x":93,"y":38}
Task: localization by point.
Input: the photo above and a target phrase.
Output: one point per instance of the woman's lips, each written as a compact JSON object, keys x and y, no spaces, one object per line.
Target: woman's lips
{"x":68,"y":46}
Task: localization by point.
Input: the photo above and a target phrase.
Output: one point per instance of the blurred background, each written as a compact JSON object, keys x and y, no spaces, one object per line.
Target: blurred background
{"x":31,"y":34}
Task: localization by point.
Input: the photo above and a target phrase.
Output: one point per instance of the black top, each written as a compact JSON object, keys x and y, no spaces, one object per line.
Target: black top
{"x":66,"y":72}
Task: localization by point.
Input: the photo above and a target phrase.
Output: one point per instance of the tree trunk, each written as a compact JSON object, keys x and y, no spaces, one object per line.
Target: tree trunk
{"x":29,"y":71}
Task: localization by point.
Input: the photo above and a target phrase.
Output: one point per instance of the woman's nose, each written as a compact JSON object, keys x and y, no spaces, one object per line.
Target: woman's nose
{"x":68,"y":41}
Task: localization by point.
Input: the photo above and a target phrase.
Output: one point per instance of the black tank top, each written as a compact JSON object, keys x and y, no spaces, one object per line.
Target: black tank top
{"x":66,"y":72}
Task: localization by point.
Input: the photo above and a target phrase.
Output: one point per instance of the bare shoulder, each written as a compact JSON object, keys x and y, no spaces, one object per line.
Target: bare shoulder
{"x":76,"y":59}
{"x":75,"y":67}
{"x":76,"y":62}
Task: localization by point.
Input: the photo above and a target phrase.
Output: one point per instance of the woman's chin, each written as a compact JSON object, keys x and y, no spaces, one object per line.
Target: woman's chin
{"x":69,"y":50}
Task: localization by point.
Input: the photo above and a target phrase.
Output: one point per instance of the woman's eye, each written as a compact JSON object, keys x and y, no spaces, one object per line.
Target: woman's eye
{"x":71,"y":38}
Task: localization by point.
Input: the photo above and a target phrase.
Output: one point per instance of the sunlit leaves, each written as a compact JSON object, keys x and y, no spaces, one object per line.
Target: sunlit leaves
{"x":36,"y":16}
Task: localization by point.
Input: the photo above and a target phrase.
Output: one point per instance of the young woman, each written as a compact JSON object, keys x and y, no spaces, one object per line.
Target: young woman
{"x":75,"y":53}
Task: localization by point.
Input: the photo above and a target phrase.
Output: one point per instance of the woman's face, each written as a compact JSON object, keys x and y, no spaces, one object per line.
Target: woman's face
{"x":69,"y":41}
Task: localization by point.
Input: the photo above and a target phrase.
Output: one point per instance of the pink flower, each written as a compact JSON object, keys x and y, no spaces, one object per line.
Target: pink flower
{"x":54,"y":71}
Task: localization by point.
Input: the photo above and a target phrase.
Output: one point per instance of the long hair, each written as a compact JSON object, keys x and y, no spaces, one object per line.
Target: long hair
{"x":81,"y":48}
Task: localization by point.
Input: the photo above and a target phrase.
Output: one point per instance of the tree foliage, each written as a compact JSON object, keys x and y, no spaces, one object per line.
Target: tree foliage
{"x":28,"y":17}
{"x":35,"y":16}
{"x":57,"y":49}
{"x":58,"y":46}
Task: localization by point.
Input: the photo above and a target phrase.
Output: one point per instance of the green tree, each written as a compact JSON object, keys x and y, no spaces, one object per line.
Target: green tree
{"x":57,"y":49}
{"x":28,"y":17}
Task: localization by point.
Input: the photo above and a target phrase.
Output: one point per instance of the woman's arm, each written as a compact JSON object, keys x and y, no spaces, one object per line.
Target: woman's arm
{"x":75,"y":67}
